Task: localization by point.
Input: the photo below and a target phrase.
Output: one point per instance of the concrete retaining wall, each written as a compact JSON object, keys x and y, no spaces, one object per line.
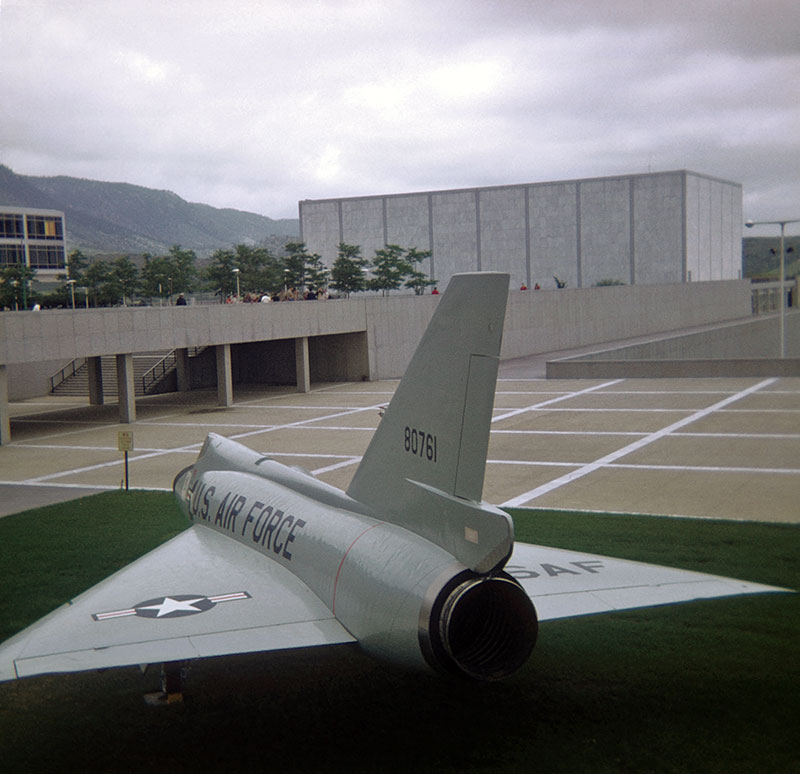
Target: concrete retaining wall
{"x":747,"y":348}
{"x":353,"y":339}
{"x":672,"y":369}
{"x":547,"y":321}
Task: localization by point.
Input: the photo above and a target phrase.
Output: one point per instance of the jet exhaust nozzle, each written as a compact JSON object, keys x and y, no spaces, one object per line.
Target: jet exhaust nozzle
{"x":482,"y":627}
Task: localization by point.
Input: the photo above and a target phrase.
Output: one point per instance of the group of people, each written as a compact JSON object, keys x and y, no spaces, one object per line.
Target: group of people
{"x":287,"y":294}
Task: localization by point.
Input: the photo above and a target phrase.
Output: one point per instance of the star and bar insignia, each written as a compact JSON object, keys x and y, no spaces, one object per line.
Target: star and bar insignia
{"x":173,"y":606}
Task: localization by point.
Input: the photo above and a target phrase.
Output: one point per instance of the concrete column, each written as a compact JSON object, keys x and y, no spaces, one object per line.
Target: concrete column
{"x":125,"y":388}
{"x":95,"y":372}
{"x":224,"y":375}
{"x":182,"y":370}
{"x":5,"y":411}
{"x":302,"y":364}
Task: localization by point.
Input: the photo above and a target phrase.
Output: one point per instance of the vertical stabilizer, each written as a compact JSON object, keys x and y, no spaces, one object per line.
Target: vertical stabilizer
{"x":424,"y":467}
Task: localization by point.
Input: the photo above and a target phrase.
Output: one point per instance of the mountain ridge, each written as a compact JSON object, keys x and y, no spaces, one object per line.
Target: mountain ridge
{"x":112,"y":218}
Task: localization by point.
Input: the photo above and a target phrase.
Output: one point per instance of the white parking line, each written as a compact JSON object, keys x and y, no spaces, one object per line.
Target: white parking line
{"x":591,"y":467}
{"x":565,"y":396}
{"x":193,"y":447}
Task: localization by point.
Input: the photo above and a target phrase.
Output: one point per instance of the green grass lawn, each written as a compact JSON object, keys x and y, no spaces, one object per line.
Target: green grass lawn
{"x":702,"y":687}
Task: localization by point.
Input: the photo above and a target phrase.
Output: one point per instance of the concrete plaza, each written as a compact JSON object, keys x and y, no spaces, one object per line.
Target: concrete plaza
{"x":709,"y":448}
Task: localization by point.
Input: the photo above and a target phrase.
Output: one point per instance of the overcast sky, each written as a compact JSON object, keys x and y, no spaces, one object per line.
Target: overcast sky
{"x":256,"y":105}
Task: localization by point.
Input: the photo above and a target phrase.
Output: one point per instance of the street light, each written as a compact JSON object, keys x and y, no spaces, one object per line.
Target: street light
{"x":71,"y":283}
{"x":782,"y":224}
{"x":236,"y":274}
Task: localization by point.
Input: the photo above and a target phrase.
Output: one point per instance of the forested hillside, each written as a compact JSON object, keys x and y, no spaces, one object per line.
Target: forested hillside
{"x":120,"y":218}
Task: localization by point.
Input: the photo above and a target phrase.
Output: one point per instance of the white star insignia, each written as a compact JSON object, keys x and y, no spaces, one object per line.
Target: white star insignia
{"x":170,"y":605}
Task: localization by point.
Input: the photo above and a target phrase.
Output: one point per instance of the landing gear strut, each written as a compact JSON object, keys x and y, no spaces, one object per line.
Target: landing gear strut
{"x":172,"y":677}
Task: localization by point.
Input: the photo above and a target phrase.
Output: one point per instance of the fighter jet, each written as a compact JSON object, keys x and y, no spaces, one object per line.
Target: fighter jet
{"x":409,"y":562}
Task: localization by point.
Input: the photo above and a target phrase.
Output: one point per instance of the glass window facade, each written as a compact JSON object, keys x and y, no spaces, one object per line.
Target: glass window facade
{"x":33,"y":237}
{"x":45,"y":227}
{"x":11,"y":254}
{"x":46,"y":257}
{"x":11,"y":226}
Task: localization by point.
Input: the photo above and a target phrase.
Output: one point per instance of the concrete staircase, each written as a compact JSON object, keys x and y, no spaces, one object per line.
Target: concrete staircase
{"x":77,"y":383}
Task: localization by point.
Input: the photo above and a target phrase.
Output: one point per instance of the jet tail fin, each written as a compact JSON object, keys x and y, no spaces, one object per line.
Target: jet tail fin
{"x":424,"y":467}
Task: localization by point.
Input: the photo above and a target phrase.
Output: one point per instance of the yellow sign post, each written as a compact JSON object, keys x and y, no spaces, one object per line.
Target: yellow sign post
{"x":125,"y":444}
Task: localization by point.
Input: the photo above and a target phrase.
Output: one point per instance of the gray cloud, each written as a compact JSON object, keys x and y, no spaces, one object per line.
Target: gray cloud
{"x":256,"y":105}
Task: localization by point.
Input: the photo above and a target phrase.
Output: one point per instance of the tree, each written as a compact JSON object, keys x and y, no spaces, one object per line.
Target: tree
{"x":348,"y":274}
{"x":77,"y":263}
{"x":317,"y":273}
{"x":259,"y":269}
{"x":183,"y":268}
{"x":14,"y":282}
{"x":157,"y":279}
{"x":219,"y":274}
{"x":389,"y":269}
{"x":123,"y":279}
{"x":294,"y":264}
{"x":418,"y":280}
{"x":166,"y":275}
{"x":96,"y":279}
{"x":304,"y":269}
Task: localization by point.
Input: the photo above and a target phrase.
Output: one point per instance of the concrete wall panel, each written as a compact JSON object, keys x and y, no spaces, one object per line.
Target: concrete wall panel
{"x":408,"y":225}
{"x":320,"y":227}
{"x":657,"y":232}
{"x":503,"y":229}
{"x":363,"y":224}
{"x":553,"y":224}
{"x":455,"y":233}
{"x":343,"y":357}
{"x":407,"y":221}
{"x":606,"y":249}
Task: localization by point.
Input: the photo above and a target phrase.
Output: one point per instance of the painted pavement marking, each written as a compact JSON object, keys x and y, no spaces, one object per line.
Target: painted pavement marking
{"x":591,"y":467}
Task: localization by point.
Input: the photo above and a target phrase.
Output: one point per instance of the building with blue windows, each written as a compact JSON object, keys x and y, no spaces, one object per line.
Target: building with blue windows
{"x":34,"y":238}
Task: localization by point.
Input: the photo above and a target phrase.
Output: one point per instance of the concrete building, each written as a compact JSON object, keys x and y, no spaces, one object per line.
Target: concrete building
{"x":35,"y":238}
{"x":660,"y":228}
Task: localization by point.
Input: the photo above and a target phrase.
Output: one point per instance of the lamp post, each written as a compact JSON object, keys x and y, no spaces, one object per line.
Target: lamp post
{"x":71,"y":283}
{"x":782,"y":224}
{"x":236,"y":274}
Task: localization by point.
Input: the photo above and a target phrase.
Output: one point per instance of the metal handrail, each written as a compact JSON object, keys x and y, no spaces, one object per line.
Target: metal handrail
{"x":152,"y":374}
{"x":166,"y":364}
{"x":64,"y":373}
{"x":769,"y":296}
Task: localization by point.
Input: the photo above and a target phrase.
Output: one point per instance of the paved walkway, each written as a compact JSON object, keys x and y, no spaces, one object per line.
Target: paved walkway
{"x":714,"y":448}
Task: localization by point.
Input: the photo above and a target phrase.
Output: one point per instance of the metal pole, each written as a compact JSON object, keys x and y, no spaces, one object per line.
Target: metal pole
{"x":783,"y":299}
{"x":782,"y":316}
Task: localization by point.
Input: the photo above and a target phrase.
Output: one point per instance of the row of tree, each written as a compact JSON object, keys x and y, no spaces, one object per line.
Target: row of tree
{"x":241,"y":270}
{"x":255,"y":270}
